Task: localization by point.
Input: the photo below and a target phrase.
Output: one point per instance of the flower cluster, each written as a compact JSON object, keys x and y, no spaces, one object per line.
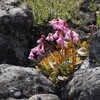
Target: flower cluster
{"x":38,"y":50}
{"x":61,"y":36}
{"x":57,"y":54}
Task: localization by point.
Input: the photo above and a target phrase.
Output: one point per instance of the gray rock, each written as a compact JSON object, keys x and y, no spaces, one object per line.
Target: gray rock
{"x":12,"y":2}
{"x":20,"y":18}
{"x":85,"y":64}
{"x":85,"y":85}
{"x":94,"y":47}
{"x":84,"y":6}
{"x":15,"y":99}
{"x":87,"y":16}
{"x":44,"y":97}
{"x":11,"y":51}
{"x":16,"y":24}
{"x":97,"y":2}
{"x":19,"y":82}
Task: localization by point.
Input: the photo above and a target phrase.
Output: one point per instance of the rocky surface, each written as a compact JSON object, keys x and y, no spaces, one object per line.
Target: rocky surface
{"x":44,"y":97}
{"x":19,"y":82}
{"x":85,"y":85}
{"x":16,"y":22}
{"x":15,"y":99}
{"x":12,"y":2}
{"x":94,"y":48}
{"x":17,"y":37}
{"x":88,"y":15}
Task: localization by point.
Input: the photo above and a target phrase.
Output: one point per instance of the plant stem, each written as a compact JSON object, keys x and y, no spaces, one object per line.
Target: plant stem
{"x":73,"y":53}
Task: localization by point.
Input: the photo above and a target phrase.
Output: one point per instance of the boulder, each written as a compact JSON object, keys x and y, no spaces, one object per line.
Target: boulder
{"x":83,"y":85}
{"x":87,"y":16}
{"x":16,"y":22}
{"x":94,"y":48}
{"x":84,"y":5}
{"x":18,"y":82}
{"x":44,"y":97}
{"x":12,"y":51}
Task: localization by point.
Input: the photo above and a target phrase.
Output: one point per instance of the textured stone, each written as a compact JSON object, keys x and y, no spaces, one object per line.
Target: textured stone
{"x":19,"y":82}
{"x":15,"y":99}
{"x":84,"y":85}
{"x":87,"y":16}
{"x":94,"y":47}
{"x":44,"y":97}
{"x":12,"y":2}
{"x":16,"y":24}
{"x":11,"y":51}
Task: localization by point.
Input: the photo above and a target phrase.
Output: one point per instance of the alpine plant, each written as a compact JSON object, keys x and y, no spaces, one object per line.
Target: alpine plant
{"x":58,"y":54}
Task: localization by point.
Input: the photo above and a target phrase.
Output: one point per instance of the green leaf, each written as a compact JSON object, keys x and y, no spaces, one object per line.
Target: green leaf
{"x":53,"y":76}
{"x":63,"y":69}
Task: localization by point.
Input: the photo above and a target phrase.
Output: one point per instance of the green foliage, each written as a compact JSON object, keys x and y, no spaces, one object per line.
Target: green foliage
{"x":44,"y":10}
{"x":98,"y":19}
{"x":92,"y":6}
{"x":62,"y":64}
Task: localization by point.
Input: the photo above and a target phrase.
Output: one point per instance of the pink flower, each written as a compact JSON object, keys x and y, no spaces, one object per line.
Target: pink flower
{"x":59,"y":24}
{"x":76,"y":38}
{"x":61,"y":42}
{"x":62,"y":22}
{"x":54,"y":23}
{"x":71,"y":34}
{"x":68,"y":35}
{"x":56,"y":35}
{"x":50,"y":37}
{"x":31,"y":56}
{"x":41,"y":39}
{"x":63,"y":25}
{"x":42,"y":49}
{"x":33,"y":50}
{"x":65,"y":29}
{"x":36,"y":50}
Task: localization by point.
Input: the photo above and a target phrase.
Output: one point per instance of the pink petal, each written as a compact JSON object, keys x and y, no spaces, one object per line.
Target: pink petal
{"x":65,"y":29}
{"x":31,"y":58}
{"x":67,"y":35}
{"x":50,"y":37}
{"x":75,"y":36}
{"x":76,"y":39}
{"x":71,"y":34}
{"x":61,"y":42}
{"x":38,"y":50}
{"x":56,"y":35}
{"x":41,"y":39}
{"x":42,"y":49}
{"x":33,"y":50}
